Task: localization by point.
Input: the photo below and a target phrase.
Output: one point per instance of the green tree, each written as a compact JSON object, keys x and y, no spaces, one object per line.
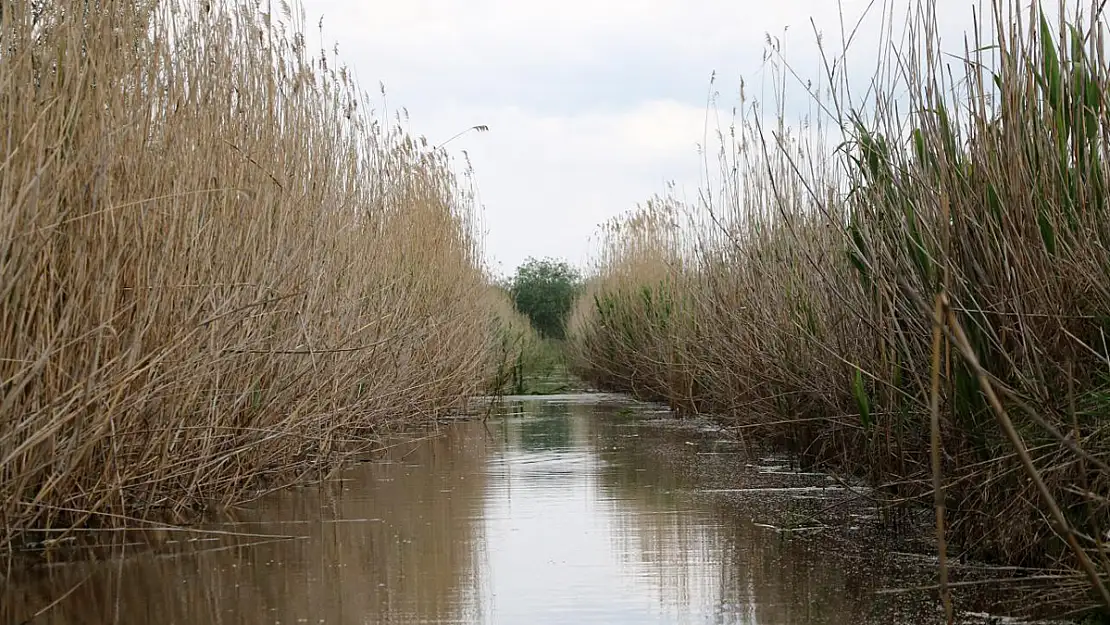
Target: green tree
{"x":544,"y":291}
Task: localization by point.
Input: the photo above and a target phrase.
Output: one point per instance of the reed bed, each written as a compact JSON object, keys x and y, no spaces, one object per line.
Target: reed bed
{"x":220,"y":267}
{"x":519,"y":351}
{"x":914,"y":288}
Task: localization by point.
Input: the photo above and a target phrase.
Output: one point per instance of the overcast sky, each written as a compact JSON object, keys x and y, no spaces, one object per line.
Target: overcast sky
{"x":592,"y":105}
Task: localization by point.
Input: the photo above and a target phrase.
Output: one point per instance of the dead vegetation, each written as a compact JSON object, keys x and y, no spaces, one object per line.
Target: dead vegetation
{"x":926,"y":304}
{"x":219,"y":267}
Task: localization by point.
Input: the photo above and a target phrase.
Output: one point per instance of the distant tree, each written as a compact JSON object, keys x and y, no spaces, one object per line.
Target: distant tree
{"x":544,"y":290}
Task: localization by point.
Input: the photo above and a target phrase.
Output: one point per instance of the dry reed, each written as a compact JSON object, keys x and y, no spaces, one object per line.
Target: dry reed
{"x":798,"y":300}
{"x":219,"y":266}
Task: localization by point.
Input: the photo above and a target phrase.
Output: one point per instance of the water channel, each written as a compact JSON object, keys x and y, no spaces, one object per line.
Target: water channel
{"x":569,"y":509}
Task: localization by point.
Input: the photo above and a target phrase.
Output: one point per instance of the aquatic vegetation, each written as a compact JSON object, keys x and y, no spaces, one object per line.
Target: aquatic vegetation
{"x":913,"y":288}
{"x":220,"y":268}
{"x":524,"y":358}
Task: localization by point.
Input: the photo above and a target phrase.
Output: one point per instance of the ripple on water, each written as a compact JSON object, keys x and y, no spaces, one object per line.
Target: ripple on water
{"x":574,"y":509}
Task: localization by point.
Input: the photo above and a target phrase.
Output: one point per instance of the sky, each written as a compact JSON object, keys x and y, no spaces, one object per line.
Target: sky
{"x":592,"y":106}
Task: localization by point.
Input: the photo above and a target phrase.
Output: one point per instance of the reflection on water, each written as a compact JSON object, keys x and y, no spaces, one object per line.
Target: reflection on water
{"x":556,"y":513}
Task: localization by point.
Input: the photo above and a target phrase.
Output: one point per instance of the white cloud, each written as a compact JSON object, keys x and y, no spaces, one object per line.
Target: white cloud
{"x":592,"y":104}
{"x":548,"y":180}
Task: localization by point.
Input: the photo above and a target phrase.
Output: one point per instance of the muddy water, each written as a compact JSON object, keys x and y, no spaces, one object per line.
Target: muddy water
{"x":575,"y":509}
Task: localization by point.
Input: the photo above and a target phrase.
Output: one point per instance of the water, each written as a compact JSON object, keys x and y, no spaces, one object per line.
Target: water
{"x":572,"y":509}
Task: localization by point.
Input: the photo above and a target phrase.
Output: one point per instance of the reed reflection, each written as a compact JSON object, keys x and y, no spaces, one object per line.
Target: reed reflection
{"x":392,"y":542}
{"x":562,"y":510}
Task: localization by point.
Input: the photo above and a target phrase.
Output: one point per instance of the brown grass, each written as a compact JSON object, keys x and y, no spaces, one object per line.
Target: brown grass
{"x":518,"y":348}
{"x":798,"y":299}
{"x":218,"y":266}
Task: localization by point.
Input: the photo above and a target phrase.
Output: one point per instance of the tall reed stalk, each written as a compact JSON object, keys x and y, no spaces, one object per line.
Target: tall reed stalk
{"x":219,"y":267}
{"x":801,"y":288}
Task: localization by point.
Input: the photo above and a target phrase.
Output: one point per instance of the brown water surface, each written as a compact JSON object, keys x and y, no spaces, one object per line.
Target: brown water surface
{"x":573,"y":509}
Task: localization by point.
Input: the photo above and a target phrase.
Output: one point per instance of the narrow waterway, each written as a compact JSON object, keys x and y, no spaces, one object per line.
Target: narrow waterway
{"x":573,"y":509}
